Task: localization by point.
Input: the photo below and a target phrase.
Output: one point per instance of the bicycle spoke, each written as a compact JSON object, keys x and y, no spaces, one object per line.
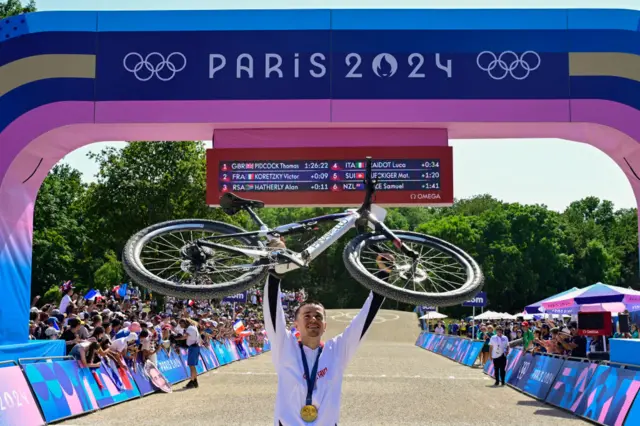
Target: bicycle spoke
{"x":433,"y":271}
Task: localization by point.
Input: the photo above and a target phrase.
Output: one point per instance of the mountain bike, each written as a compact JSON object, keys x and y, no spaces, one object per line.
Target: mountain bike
{"x":204,"y":259}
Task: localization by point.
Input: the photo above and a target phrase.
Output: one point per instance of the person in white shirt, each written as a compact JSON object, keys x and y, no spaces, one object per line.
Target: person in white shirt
{"x":67,"y":289}
{"x":310,"y":372}
{"x":192,"y":336}
{"x":499,"y":347}
{"x":439,"y":329}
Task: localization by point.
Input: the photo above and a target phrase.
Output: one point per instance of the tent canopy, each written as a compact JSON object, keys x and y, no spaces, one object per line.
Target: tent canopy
{"x":433,"y":315}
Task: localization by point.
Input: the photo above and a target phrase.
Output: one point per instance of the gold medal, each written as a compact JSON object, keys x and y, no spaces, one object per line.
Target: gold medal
{"x":309,"y":413}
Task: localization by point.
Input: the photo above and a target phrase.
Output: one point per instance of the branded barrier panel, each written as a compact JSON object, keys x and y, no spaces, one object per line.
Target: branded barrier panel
{"x":170,"y":364}
{"x":633,"y":417}
{"x":542,"y":375}
{"x":570,"y":384}
{"x":221,"y":352}
{"x":608,"y":395}
{"x":232,"y":349}
{"x":110,"y":384}
{"x":17,"y":405}
{"x":143,"y":382}
{"x":184,"y":358}
{"x":472,"y":353}
{"x":209,"y":357}
{"x":512,"y":361}
{"x":60,"y":389}
{"x":521,"y":370}
{"x":459,"y":349}
{"x":63,"y":389}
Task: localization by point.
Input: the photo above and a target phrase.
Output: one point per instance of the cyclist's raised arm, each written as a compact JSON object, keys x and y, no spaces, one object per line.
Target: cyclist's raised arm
{"x":274,"y":320}
{"x":348,"y":342}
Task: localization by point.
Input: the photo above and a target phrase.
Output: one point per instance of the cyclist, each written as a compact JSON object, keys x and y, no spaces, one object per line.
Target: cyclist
{"x":310,"y":371}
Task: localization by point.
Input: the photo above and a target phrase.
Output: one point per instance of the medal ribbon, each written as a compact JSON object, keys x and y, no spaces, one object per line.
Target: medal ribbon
{"x":311,"y":378}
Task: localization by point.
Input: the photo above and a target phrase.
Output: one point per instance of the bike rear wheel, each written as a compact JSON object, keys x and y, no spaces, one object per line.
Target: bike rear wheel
{"x":443,"y":274}
{"x":155,"y":258}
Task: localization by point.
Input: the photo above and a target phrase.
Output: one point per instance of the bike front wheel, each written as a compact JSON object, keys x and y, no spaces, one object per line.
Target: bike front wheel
{"x":165,"y":259}
{"x":442,"y":274}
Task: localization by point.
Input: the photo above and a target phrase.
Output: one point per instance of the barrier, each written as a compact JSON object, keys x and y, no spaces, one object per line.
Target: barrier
{"x":184,"y":356}
{"x":17,"y":405}
{"x":62,"y":389}
{"x":59,"y":388}
{"x":459,"y":349}
{"x":209,"y":357}
{"x":143,"y":382}
{"x":605,"y":394}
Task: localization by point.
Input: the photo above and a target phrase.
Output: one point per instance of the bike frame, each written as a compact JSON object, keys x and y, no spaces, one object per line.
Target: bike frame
{"x":357,"y":218}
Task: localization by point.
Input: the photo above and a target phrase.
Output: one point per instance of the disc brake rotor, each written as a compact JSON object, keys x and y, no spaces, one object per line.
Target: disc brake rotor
{"x":406,"y":272}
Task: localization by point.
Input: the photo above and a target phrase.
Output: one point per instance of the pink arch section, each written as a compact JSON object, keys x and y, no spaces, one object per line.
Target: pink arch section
{"x":44,"y":135}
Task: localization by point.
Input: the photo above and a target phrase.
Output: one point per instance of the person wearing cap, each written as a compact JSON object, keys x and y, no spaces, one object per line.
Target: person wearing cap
{"x":527,"y":336}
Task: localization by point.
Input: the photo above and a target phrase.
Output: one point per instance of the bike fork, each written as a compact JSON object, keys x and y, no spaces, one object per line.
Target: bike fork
{"x":397,"y":242}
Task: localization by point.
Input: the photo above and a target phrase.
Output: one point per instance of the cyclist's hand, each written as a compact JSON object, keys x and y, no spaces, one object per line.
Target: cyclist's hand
{"x":277,"y":243}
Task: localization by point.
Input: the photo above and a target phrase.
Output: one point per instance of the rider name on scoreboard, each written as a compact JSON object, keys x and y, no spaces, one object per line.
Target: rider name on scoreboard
{"x":407,"y":176}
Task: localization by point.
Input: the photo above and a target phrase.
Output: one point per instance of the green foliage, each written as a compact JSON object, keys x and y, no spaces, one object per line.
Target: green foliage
{"x":15,"y":7}
{"x":109,"y":273}
{"x":527,"y":252}
{"x":52,"y":295}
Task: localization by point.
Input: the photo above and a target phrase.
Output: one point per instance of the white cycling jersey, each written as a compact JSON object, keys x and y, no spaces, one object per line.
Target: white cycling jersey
{"x":336,"y":354}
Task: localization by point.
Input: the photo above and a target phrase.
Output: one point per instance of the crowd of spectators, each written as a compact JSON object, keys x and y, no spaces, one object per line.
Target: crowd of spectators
{"x":125,"y":327}
{"x":558,"y":336}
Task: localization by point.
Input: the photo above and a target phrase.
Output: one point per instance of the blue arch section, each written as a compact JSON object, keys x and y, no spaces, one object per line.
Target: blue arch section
{"x":326,"y":54}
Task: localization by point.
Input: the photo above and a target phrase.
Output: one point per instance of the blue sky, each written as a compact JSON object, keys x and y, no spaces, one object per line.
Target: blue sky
{"x":509,"y":169}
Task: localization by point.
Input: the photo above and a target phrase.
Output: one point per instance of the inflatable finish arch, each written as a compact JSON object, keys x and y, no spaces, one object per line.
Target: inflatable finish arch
{"x":68,"y":79}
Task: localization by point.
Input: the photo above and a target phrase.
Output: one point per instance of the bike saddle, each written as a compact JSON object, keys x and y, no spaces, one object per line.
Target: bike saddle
{"x":232,"y":204}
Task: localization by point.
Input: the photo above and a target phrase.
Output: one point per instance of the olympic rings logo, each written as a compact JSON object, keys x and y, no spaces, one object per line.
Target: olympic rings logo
{"x":154,"y":65}
{"x":509,"y":63}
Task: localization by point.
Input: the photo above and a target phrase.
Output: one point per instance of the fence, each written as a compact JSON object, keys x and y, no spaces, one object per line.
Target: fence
{"x":37,"y":391}
{"x":459,"y":349}
{"x":602,"y":392}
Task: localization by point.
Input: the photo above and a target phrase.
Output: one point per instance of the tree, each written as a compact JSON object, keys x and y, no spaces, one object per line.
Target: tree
{"x":58,"y":231}
{"x":15,"y":7}
{"x":109,"y":274}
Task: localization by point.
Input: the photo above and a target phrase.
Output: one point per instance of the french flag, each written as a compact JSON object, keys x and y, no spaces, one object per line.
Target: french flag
{"x":238,"y":327}
{"x":92,"y":294}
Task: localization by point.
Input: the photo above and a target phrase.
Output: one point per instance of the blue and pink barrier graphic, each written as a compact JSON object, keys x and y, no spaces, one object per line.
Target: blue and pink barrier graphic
{"x":605,"y":394}
{"x":63,"y":389}
{"x":17,"y":405}
{"x":459,"y":349}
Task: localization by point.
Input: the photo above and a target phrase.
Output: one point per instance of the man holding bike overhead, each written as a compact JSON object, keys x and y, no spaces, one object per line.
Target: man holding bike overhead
{"x":310,"y":371}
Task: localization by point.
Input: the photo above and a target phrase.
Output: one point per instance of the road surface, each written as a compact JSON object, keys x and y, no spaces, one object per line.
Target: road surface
{"x":389,"y":382}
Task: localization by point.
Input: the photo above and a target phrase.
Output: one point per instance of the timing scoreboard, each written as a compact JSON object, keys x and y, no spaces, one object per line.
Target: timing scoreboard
{"x":328,"y":177}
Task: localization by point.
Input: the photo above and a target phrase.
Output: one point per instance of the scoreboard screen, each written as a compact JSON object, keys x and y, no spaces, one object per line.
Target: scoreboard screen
{"x":407,"y":176}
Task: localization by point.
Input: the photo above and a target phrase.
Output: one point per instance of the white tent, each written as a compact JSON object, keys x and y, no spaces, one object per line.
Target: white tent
{"x":488,"y":315}
{"x":433,"y":315}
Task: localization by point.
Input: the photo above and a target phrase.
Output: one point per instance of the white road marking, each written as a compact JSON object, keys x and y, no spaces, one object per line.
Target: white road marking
{"x":379,"y":318}
{"x":357,"y":376}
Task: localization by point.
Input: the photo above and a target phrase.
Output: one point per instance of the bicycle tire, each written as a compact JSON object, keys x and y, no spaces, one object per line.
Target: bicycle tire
{"x":471,"y":287}
{"x":139,"y":274}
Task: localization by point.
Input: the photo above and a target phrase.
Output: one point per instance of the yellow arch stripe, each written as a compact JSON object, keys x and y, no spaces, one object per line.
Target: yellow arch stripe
{"x":40,"y":67}
{"x":608,"y":64}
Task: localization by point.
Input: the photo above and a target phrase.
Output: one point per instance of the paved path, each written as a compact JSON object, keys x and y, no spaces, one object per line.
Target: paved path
{"x":389,"y":382}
